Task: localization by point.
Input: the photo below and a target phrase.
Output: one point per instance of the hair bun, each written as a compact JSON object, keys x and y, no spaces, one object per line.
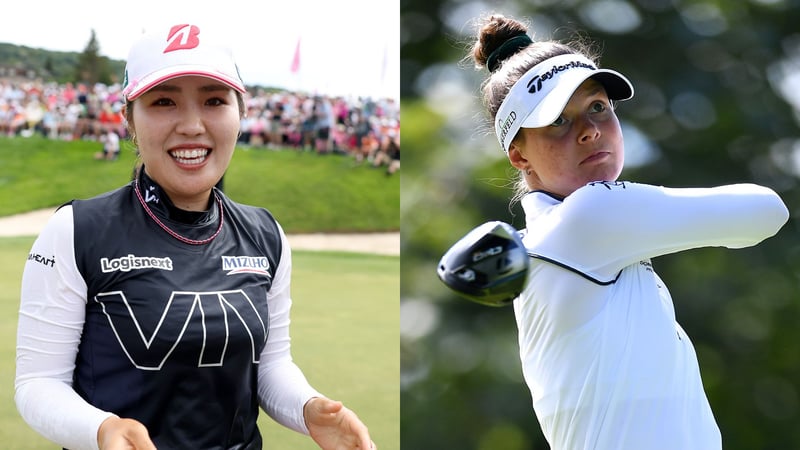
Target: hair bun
{"x":506,"y":49}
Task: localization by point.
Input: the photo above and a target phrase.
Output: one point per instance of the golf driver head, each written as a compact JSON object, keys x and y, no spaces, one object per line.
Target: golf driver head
{"x":489,"y":265}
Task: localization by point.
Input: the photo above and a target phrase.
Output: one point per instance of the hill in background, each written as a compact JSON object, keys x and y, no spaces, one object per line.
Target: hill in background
{"x":18,"y":63}
{"x":21,"y":62}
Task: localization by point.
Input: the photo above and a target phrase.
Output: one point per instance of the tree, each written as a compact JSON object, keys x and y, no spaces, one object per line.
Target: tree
{"x":92,"y":67}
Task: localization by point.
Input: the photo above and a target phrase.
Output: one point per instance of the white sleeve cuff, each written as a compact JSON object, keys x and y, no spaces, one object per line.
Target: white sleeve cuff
{"x":54,"y":410}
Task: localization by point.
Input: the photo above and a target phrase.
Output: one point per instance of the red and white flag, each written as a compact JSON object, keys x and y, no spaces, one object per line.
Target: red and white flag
{"x":295,"y":67}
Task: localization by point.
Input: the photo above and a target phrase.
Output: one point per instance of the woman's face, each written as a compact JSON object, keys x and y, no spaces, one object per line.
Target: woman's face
{"x":186,"y":130}
{"x":583,"y":145}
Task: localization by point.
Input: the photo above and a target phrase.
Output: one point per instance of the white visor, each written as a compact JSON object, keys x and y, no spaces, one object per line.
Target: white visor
{"x":538,"y":97}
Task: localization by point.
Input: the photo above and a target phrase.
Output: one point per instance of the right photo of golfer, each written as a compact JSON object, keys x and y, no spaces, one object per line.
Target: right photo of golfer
{"x":607,"y":364}
{"x":600,"y":244}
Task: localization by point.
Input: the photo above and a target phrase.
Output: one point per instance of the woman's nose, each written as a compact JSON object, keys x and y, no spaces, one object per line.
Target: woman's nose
{"x":190,"y":122}
{"x":589,"y":132}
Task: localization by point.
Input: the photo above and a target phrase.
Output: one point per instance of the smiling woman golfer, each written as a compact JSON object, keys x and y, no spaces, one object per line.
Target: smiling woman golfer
{"x":157,"y":315}
{"x":606,"y":363}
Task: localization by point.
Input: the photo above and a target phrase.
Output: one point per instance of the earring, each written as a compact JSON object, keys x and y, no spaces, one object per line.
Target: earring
{"x":528,"y":171}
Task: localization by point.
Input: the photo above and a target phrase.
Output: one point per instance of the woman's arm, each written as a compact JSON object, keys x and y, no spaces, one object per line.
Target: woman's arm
{"x":604,"y":227}
{"x":283,"y":391}
{"x":282,"y":388}
{"x":51,"y":316}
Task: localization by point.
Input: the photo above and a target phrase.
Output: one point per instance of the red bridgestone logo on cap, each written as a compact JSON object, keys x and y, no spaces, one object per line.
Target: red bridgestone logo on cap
{"x":182,"y":37}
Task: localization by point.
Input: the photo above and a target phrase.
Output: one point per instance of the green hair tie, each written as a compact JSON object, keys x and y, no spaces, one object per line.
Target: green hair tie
{"x":507,"y":49}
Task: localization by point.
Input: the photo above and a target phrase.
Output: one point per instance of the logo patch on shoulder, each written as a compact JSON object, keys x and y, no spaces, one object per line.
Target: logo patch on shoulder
{"x":45,"y":260}
{"x":246,"y":264}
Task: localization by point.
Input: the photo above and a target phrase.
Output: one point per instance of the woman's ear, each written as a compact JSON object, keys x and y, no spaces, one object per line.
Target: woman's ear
{"x":516,"y":158}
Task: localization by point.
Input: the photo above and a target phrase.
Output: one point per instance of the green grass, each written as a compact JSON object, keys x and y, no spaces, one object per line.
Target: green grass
{"x":306,"y":192}
{"x":345,"y":323}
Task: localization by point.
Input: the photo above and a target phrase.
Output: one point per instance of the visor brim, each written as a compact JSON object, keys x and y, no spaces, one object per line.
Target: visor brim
{"x":617,"y":87}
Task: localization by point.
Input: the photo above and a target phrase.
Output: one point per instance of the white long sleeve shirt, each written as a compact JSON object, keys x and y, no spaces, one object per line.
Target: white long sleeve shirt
{"x":608,"y":366}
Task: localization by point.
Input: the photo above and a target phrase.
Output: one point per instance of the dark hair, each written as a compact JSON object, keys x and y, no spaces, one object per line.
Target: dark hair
{"x":502,"y":49}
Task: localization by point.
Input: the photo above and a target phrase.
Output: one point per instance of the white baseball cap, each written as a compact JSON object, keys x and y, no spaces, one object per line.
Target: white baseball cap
{"x":538,"y":97}
{"x":180,"y":51}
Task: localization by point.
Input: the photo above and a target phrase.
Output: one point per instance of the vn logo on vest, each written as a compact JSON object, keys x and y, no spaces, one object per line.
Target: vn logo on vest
{"x":213,"y":319}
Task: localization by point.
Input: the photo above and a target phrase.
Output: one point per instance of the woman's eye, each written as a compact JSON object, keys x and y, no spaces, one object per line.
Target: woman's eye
{"x":162,"y":101}
{"x":558,"y":122}
{"x":598,"y":107}
{"x":215,"y":101}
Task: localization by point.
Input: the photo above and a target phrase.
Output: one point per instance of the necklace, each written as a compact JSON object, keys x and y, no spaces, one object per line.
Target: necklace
{"x":173,"y":233}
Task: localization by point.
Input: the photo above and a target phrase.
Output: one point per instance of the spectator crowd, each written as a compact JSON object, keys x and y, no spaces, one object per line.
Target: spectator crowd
{"x":366,"y":129}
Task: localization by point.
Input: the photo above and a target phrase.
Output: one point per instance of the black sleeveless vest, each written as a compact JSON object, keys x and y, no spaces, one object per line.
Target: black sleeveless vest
{"x":174,"y":331}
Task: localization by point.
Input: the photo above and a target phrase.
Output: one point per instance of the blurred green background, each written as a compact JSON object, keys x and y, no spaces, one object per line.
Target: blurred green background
{"x":717,"y":98}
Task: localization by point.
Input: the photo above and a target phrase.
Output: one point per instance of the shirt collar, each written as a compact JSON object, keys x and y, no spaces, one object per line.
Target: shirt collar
{"x":536,"y":203}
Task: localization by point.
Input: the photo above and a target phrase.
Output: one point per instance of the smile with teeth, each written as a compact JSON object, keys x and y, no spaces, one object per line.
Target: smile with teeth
{"x":193,"y":156}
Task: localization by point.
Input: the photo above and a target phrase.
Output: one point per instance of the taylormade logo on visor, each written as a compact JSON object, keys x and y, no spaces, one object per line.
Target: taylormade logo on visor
{"x":539,"y":80}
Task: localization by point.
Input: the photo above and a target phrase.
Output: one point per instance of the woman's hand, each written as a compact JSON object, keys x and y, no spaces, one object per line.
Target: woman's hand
{"x":334,"y":427}
{"x":123,"y":434}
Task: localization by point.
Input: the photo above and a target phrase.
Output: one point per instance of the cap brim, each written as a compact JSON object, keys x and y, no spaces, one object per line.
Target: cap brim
{"x":617,"y":87}
{"x":158,"y":77}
